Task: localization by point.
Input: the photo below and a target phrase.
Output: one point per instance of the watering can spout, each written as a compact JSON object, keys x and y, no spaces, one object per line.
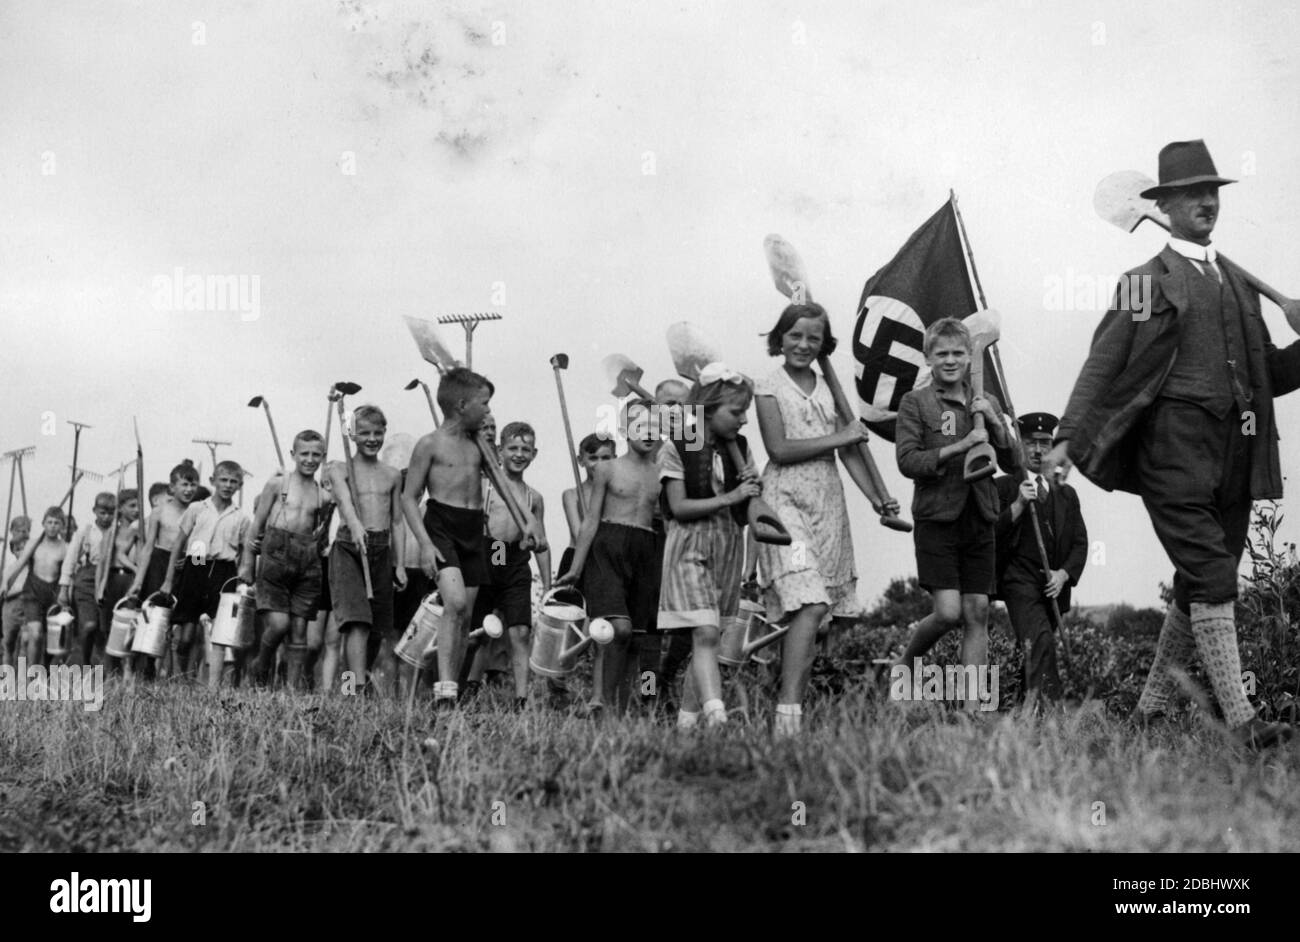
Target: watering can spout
{"x":752,"y":643}
{"x":571,"y":652}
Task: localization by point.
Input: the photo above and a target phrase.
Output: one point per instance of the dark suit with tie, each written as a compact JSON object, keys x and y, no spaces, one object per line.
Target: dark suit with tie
{"x":1021,"y":577}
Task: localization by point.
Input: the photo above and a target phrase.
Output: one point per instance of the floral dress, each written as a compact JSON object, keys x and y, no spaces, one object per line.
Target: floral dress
{"x":809,"y":498}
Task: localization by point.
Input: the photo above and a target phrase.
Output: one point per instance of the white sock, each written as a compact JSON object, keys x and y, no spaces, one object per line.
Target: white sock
{"x":686,"y":720}
{"x":714,"y":712}
{"x":789,"y":719}
{"x":445,"y":690}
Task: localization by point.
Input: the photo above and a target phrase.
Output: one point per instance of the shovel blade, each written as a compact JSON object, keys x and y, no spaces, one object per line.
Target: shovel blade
{"x":1118,"y":200}
{"x":985,"y":328}
{"x":622,"y":374}
{"x":690,"y":349}
{"x":788,"y":272}
{"x":430,"y":344}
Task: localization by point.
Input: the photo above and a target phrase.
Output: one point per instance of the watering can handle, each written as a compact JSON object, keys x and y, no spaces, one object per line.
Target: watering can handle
{"x":563,"y":588}
{"x":122,"y":601}
{"x":56,"y":607}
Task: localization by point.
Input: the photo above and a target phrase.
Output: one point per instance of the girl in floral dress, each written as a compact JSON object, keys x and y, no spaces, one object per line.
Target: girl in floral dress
{"x":813,"y":576}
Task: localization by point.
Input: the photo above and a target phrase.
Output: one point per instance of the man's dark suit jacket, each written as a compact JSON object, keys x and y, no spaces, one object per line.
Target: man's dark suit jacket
{"x":1066,"y":538}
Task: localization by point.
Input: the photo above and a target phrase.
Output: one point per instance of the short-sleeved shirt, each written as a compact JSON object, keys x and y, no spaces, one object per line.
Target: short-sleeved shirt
{"x":86,"y":549}
{"x":671,"y":468}
{"x":11,"y":560}
{"x":220,"y":533}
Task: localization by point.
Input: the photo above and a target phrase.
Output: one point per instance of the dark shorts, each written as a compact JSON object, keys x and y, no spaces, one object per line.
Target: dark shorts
{"x":621,"y":575}
{"x":290,"y":577}
{"x":959,"y":554}
{"x":38,"y":596}
{"x":198,"y":589}
{"x":115,"y":588}
{"x":1194,"y":478}
{"x":509,"y":588}
{"x":156,"y":572}
{"x":83,"y":599}
{"x":566,"y":560}
{"x":348,"y":585}
{"x":457,"y":532}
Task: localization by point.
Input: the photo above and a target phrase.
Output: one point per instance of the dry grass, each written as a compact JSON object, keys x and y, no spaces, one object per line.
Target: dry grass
{"x":282,"y":773}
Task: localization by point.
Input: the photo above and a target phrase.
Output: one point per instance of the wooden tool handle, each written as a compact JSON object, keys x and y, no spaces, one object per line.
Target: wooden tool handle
{"x":573,"y":451}
{"x":763,"y":520}
{"x":888,"y":517}
{"x":352,"y":493}
{"x":1277,"y":297}
{"x":497,"y":479}
{"x":981,"y":461}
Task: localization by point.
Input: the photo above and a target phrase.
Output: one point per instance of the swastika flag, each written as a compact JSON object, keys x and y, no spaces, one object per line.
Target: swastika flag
{"x":924,"y":282}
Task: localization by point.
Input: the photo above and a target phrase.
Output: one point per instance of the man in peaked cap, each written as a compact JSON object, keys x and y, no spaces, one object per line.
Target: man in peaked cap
{"x":1175,"y":404}
{"x":1022,"y":584}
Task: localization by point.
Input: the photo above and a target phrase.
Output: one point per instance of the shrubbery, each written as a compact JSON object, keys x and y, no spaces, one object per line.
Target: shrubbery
{"x":1110,"y":660}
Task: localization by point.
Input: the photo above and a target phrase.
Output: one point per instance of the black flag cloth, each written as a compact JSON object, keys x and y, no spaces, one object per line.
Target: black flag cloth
{"x":924,"y":282}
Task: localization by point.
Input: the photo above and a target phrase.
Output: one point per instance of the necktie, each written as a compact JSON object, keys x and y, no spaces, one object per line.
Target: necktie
{"x":1210,"y":268}
{"x":1042,"y":489}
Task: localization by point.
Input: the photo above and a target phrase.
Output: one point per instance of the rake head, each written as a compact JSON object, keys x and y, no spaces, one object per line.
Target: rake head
{"x":255,"y":402}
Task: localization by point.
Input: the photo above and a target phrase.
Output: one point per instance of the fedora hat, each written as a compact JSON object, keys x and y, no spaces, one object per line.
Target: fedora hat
{"x":1184,"y":163}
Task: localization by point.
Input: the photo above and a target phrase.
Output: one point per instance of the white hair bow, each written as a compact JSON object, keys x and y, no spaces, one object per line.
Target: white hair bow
{"x":719,"y":373}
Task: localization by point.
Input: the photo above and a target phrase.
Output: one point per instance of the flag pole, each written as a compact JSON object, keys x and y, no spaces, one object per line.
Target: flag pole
{"x":1011,"y":411}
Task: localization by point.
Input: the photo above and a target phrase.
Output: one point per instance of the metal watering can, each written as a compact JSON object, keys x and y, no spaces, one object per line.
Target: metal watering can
{"x":418,"y":645}
{"x":151,"y":626}
{"x":559,"y":636}
{"x":236,"y":623}
{"x":57,"y":623}
{"x":122,"y":630}
{"x":743,"y":634}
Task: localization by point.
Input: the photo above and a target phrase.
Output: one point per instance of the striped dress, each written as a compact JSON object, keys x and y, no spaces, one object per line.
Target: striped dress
{"x":703,"y":559}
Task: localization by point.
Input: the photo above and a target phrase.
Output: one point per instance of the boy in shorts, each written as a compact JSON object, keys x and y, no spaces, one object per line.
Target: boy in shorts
{"x":289,"y":581}
{"x":12,"y":583}
{"x":43,"y":560}
{"x":618,"y":558}
{"x":448,"y":463}
{"x":211,"y":535}
{"x":954,"y":535}
{"x":368,"y":506}
{"x":510,"y":579}
{"x":80,"y":572}
{"x":160,"y":534}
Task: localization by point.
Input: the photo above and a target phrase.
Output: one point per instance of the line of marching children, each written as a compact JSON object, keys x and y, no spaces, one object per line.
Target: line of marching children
{"x":657,"y":540}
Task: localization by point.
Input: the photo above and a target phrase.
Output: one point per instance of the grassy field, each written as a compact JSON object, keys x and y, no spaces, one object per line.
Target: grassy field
{"x":169,"y":767}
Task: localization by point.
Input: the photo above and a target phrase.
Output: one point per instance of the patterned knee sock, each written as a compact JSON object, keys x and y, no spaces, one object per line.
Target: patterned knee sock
{"x":1215,"y":632}
{"x":1173,"y":651}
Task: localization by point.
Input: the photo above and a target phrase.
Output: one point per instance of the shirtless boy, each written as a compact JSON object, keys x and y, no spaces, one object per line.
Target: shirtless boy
{"x":447,"y":462}
{"x":617,"y":558}
{"x":369,"y":506}
{"x":43,"y":559}
{"x":289,"y":582}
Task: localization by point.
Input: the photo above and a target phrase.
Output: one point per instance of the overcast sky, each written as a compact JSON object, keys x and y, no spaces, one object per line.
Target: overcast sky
{"x":593,"y":172}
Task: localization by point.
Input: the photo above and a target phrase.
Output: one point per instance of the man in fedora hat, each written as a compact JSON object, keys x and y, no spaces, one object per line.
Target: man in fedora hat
{"x":1175,"y":404}
{"x":1022,"y":584}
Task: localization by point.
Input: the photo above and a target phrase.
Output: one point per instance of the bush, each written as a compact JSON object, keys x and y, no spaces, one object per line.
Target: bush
{"x":1110,"y":661}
